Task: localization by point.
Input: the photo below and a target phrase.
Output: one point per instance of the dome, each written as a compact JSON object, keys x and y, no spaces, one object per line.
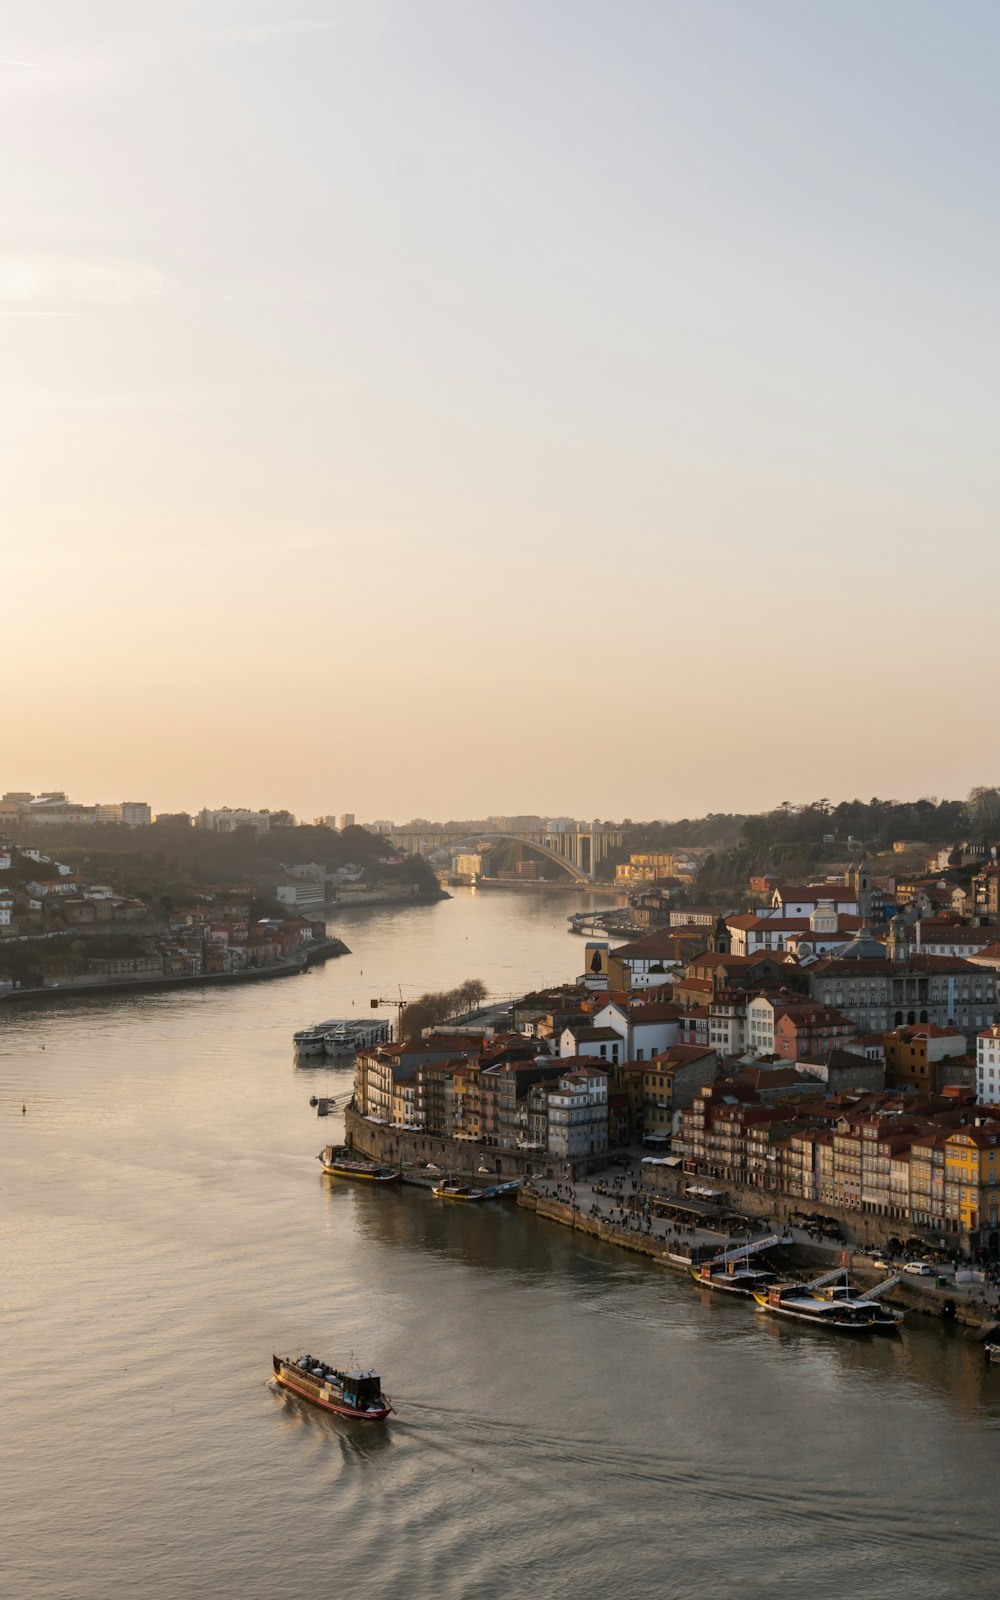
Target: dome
{"x":863,"y":947}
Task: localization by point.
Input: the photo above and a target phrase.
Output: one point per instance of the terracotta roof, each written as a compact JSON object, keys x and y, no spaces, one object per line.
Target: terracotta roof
{"x":836,"y":965}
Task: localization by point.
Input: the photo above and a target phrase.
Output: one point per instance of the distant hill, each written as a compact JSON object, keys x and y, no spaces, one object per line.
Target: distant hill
{"x":164,"y":860}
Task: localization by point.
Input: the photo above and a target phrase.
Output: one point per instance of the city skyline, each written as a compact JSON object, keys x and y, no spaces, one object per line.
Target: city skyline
{"x":441,"y":392}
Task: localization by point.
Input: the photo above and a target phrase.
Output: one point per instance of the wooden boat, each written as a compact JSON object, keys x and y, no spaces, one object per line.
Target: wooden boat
{"x":451,"y":1189}
{"x":795,"y":1303}
{"x":356,"y":1394}
{"x":885,"y":1319}
{"x":732,"y":1278}
{"x":338,"y":1162}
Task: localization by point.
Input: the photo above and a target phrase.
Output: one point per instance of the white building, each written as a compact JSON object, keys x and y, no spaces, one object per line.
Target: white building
{"x":6,"y":910}
{"x":988,"y":1066}
{"x":578,"y":1114}
{"x":646,"y":1030}
{"x":802,"y":900}
{"x":727,"y":1026}
{"x":301,"y":894}
{"x":604,"y":1044}
{"x":227,"y":819}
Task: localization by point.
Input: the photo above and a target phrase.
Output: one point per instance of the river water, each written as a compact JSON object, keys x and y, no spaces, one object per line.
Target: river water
{"x":572,"y":1421}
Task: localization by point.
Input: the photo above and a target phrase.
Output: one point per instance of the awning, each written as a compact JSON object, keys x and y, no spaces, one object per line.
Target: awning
{"x":661,"y":1161}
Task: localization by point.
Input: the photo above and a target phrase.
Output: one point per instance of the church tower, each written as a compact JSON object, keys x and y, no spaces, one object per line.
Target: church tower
{"x":861,"y":883}
{"x":898,"y":944}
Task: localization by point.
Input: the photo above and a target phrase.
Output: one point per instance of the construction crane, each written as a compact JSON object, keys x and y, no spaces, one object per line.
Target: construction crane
{"x":400,"y":1006}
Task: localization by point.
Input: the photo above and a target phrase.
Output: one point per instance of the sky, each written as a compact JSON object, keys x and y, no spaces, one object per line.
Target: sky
{"x":445,"y":408}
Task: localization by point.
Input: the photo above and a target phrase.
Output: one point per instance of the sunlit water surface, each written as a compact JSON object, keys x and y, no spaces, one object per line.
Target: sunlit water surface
{"x":571,"y":1421}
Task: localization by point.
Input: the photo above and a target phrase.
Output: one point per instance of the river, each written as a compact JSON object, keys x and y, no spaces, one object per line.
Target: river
{"x":572,"y":1421}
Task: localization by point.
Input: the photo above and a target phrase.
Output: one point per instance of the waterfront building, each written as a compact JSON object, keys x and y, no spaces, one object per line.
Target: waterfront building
{"x":672,"y":1082}
{"x":971,"y":1183}
{"x":504,"y":1099}
{"x":577,"y":1114}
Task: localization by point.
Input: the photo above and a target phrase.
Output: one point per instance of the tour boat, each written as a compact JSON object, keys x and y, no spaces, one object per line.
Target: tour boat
{"x":339,"y":1162}
{"x":885,"y":1319}
{"x":451,"y":1189}
{"x":356,"y":1394}
{"x":733,"y":1279}
{"x":794,"y":1302}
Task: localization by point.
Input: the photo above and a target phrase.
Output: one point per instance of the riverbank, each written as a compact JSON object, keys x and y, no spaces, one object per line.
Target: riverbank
{"x":201,"y":980}
{"x":619,"y":1205}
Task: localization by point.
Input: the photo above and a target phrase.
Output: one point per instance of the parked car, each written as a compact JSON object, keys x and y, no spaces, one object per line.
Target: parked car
{"x":919,"y":1269}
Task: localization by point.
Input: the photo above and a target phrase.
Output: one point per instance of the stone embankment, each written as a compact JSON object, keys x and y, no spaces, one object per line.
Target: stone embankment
{"x":399,"y":1148}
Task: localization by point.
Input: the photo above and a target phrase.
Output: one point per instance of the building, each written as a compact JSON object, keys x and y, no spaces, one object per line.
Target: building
{"x":801,"y":900}
{"x":228,"y":818}
{"x":301,"y":894}
{"x":823,"y":929}
{"x":603,"y":1044}
{"x":577,"y":1113}
{"x":671,"y":1083}
{"x":904,"y":987}
{"x":126,"y":813}
{"x":913,"y":1056}
{"x":986,"y":893}
{"x":971,"y":1184}
{"x":988,"y":1066}
{"x":346,"y":820}
{"x":811,"y":1033}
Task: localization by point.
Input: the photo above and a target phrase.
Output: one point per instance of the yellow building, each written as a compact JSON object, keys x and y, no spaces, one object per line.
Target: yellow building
{"x":972,"y":1187}
{"x":462,"y":1090}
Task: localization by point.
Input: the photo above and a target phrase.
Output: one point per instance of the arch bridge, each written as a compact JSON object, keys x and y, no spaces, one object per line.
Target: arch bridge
{"x":579,"y":852}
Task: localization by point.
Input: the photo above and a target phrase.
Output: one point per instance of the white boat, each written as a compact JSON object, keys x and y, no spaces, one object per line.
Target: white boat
{"x":346,"y":1037}
{"x":309,"y":1041}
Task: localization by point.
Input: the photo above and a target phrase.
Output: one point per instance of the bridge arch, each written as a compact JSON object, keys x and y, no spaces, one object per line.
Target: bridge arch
{"x":543,"y":850}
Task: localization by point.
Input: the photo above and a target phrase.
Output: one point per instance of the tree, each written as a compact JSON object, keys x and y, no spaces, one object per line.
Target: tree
{"x":983,"y":809}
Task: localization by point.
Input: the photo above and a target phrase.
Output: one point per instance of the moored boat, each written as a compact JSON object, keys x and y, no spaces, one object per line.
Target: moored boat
{"x":885,"y":1319}
{"x":339,"y":1162}
{"x":794,"y":1302}
{"x":733,"y":1279}
{"x":346,"y":1037}
{"x":357,"y":1394}
{"x":451,"y":1189}
{"x":309,"y":1041}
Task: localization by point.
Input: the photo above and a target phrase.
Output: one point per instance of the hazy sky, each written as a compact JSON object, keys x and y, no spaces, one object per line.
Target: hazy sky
{"x":440,"y":406}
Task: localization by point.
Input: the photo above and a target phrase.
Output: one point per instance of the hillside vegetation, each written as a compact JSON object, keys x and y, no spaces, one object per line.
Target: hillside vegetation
{"x":160,"y":863}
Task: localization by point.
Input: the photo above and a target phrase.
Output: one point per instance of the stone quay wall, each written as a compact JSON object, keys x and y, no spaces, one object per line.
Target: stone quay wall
{"x":399,"y":1148}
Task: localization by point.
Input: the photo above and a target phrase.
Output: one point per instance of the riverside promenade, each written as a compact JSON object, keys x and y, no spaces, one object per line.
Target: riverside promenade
{"x":613,"y":1206}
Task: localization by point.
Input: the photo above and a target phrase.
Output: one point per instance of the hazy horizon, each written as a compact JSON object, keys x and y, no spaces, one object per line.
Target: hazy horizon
{"x":410,"y":407}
